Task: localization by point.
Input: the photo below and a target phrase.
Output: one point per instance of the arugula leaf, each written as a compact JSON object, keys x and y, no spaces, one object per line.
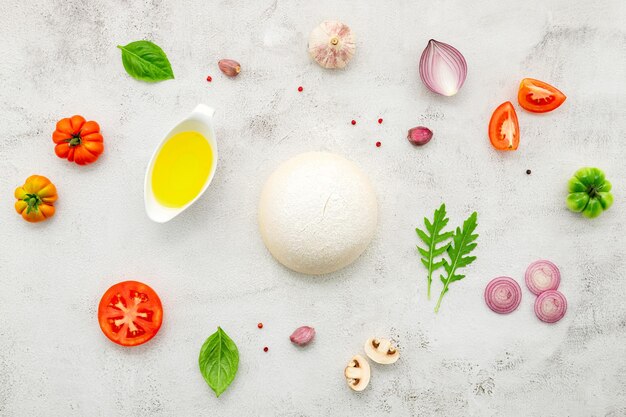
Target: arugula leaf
{"x":462,"y":244}
{"x":219,"y":361}
{"x":433,"y":238}
{"x":146,"y":61}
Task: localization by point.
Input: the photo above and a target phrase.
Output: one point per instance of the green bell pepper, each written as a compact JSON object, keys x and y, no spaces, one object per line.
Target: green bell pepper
{"x":589,"y":192}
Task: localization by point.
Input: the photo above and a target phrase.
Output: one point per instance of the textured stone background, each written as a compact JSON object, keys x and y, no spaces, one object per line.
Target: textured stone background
{"x":209,"y":265}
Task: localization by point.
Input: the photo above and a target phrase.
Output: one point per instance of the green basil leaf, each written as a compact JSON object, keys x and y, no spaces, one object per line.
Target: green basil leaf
{"x":219,"y":361}
{"x":143,"y":60}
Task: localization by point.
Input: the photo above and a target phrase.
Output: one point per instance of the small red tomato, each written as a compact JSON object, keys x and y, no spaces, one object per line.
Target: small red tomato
{"x":130,"y":313}
{"x":504,"y":128}
{"x":538,"y":97}
{"x":78,"y":140}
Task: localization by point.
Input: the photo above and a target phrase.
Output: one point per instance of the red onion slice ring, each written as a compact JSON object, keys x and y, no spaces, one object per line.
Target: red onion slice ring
{"x":542,"y":276}
{"x":503,"y":295}
{"x":550,"y":306}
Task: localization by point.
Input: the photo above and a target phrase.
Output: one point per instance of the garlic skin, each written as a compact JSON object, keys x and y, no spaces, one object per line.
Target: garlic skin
{"x":229,"y":67}
{"x":302,"y":336}
{"x":419,"y":135}
{"x":331,"y":44}
{"x":443,"y":68}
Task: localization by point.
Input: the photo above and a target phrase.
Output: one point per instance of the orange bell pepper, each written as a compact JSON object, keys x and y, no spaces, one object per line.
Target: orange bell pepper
{"x":35,"y":199}
{"x":78,"y":140}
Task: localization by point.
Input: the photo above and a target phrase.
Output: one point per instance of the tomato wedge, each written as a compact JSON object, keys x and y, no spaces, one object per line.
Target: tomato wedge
{"x":130,"y":313}
{"x":504,"y":128}
{"x":539,"y":97}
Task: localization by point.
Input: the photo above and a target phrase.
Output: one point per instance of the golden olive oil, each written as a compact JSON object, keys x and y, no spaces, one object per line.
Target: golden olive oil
{"x":181,"y":169}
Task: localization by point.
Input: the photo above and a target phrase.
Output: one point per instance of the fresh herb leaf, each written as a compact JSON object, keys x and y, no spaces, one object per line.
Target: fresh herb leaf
{"x":143,"y":60}
{"x":219,"y":361}
{"x":462,"y":244}
{"x":433,"y":237}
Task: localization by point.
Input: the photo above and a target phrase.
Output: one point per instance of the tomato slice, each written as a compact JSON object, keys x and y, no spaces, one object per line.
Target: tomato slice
{"x":130,"y":313}
{"x":539,"y":97}
{"x":504,"y":128}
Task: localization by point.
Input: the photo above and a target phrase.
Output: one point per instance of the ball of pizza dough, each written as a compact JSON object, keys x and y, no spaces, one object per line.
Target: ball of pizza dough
{"x":317,"y":213}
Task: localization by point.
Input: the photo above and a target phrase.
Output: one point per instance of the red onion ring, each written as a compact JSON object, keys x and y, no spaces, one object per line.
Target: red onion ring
{"x":550,"y":306}
{"x":503,"y":295}
{"x":542,"y":276}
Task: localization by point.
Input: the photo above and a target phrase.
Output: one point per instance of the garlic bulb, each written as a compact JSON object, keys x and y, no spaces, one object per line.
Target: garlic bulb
{"x":331,"y":44}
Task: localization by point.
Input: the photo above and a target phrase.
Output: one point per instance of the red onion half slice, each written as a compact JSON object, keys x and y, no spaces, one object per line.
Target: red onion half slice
{"x":503,"y":295}
{"x":442,"y":68}
{"x":542,"y":276}
{"x":550,"y":306}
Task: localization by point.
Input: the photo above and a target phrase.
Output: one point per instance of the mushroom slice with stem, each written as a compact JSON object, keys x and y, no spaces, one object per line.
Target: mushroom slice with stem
{"x":381,"y":351}
{"x":357,"y":373}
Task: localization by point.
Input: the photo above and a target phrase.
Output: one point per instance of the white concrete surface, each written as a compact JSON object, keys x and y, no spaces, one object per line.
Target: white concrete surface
{"x":210,"y":266}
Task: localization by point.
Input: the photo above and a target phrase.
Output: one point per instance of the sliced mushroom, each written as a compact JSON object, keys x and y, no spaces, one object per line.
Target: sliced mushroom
{"x":357,"y":373}
{"x":381,"y":351}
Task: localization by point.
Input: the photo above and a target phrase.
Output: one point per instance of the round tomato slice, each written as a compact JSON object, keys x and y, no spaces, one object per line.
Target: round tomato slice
{"x":539,"y":97}
{"x":504,"y":128}
{"x":130,"y":313}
